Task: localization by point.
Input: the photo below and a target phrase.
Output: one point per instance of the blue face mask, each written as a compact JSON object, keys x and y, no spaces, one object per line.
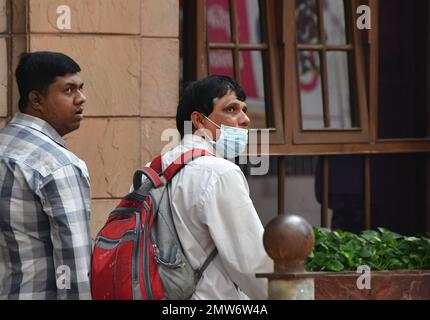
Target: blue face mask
{"x":231,"y":142}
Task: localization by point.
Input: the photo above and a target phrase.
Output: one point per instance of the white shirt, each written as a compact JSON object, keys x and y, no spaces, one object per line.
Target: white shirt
{"x":211,"y":207}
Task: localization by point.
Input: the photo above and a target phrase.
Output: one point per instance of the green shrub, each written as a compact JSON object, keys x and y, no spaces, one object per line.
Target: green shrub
{"x":379,"y":249}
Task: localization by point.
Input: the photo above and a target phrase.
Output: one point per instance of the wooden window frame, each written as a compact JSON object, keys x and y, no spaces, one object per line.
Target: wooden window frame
{"x":356,"y":76}
{"x":293,"y":141}
{"x":271,"y":58}
{"x":370,"y":52}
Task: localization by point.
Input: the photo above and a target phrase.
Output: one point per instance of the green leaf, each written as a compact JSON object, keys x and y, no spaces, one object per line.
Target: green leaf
{"x":371,"y":236}
{"x":380,"y":249}
{"x":387,"y":235}
{"x":335,"y":266}
{"x":394,"y":264}
{"x":412,"y":239}
{"x":365,"y":252}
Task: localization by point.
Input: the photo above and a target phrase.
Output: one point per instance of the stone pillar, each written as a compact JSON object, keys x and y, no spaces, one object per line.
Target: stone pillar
{"x":288,"y":240}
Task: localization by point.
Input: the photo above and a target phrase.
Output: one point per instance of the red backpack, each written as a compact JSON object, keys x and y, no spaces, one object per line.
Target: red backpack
{"x":137,"y":253}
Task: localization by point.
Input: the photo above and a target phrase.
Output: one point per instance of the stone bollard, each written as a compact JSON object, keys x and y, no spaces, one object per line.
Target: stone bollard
{"x":288,"y":240}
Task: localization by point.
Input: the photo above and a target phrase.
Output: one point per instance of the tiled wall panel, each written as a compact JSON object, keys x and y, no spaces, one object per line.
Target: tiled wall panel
{"x":86,"y":16}
{"x":160,"y":18}
{"x":111,"y":149}
{"x":152,"y":133}
{"x":110,"y":69}
{"x":3,"y":16}
{"x":160,"y":77}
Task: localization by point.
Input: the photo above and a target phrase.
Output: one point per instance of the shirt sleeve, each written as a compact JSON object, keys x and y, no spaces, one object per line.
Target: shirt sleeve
{"x":66,"y":202}
{"x":237,"y":232}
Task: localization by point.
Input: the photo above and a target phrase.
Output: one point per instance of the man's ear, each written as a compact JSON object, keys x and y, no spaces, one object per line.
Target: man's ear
{"x":197,"y":120}
{"x":35,"y":100}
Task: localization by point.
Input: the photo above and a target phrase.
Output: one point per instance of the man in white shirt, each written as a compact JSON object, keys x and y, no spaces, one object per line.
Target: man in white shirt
{"x":210,"y":196}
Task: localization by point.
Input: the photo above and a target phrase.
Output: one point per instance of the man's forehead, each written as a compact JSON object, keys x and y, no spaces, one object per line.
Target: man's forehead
{"x":229,"y":96}
{"x":72,"y":78}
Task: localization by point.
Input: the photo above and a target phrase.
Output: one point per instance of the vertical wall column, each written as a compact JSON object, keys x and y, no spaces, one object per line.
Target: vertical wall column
{"x":160,"y":75}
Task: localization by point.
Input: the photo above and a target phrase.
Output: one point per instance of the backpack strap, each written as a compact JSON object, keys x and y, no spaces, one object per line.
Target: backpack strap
{"x":181,"y":161}
{"x":156,"y":164}
{"x":199,"y":272}
{"x":150,"y":173}
{"x":156,"y":177}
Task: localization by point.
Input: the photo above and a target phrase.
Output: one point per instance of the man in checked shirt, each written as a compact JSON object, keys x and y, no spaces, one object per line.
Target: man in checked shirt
{"x":45,"y":242}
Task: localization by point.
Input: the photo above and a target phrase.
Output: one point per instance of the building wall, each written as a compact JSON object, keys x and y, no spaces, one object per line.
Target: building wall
{"x":4,"y":30}
{"x":129,"y":54}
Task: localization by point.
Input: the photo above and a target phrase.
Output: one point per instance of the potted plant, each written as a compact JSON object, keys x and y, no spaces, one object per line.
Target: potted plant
{"x":376,"y":264}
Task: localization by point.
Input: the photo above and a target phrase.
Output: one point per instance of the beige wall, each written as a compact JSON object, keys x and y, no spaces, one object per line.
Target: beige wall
{"x":3,"y":17}
{"x":3,"y":77}
{"x":129,"y":54}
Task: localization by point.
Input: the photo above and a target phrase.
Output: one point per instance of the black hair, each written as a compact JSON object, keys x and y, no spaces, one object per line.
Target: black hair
{"x":199,"y":96}
{"x":38,"y":70}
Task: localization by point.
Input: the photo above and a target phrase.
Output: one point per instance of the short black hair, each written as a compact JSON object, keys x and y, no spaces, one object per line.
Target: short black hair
{"x":199,"y":96}
{"x":38,"y":70}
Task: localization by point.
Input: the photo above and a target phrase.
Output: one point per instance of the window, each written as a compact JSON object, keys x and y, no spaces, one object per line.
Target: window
{"x":237,"y":38}
{"x":305,"y":80}
{"x":330,"y":102}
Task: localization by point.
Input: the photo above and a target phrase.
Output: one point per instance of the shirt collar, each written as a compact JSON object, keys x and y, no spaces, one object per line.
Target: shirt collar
{"x":38,"y":124}
{"x":192,"y":141}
